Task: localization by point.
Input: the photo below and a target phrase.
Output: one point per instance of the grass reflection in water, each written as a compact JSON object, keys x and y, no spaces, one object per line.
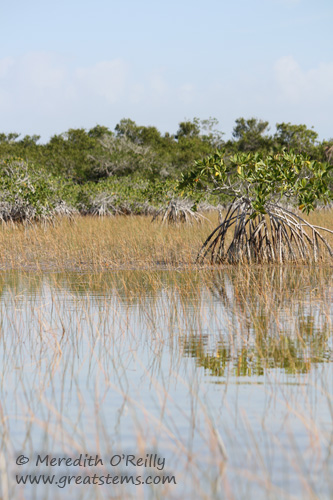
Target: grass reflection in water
{"x":133,"y":361}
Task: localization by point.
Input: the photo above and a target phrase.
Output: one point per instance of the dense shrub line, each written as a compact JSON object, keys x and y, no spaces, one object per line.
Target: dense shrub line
{"x":131,"y":170}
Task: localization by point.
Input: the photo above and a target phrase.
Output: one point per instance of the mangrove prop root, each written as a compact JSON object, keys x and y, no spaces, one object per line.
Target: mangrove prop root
{"x":178,"y":211}
{"x":279,"y":235}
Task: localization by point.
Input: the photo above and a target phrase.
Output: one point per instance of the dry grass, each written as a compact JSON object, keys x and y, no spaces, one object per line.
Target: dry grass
{"x":89,"y":243}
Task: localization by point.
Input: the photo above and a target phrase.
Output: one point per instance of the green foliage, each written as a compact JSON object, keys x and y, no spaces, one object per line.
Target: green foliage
{"x":25,"y":193}
{"x":69,"y":154}
{"x":119,"y":156}
{"x":136,"y":165}
{"x":263,"y":178}
{"x":188,"y":129}
{"x":249,"y":134}
{"x":9,"y":138}
{"x":297,"y":138}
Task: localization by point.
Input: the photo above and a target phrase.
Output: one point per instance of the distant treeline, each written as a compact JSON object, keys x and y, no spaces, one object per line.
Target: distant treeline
{"x":131,"y":170}
{"x":99,"y":153}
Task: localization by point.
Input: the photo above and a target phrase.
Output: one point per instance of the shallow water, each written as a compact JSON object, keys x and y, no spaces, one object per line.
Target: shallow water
{"x":225,"y":375}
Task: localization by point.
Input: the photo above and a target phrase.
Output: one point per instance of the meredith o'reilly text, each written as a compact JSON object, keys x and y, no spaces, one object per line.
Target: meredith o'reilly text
{"x":150,"y":460}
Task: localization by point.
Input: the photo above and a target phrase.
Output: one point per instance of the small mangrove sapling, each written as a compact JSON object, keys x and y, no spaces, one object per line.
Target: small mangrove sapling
{"x":262,"y":187}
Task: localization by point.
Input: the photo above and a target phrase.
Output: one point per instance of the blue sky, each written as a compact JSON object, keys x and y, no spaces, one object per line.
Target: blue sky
{"x":69,"y":64}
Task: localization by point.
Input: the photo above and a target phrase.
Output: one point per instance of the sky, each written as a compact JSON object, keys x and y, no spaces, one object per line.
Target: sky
{"x":79,"y":63}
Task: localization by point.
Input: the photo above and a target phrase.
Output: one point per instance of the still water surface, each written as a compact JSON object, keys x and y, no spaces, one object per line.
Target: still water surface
{"x":222,"y":379}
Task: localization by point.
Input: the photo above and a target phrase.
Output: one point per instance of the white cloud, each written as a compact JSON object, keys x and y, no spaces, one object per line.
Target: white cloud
{"x":32,"y":83}
{"x":5,"y":65}
{"x":158,"y":84}
{"x":105,"y":79}
{"x":41,"y":71}
{"x":186,"y":93}
{"x":312,"y":86}
{"x":136,"y":93}
{"x":288,"y":2}
{"x":41,"y":92}
{"x":44,"y":93}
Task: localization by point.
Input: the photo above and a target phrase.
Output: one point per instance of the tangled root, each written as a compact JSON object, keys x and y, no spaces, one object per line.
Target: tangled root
{"x":178,"y":211}
{"x":279,"y":235}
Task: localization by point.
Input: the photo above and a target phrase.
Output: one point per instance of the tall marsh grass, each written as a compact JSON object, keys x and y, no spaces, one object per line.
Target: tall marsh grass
{"x":128,"y":242}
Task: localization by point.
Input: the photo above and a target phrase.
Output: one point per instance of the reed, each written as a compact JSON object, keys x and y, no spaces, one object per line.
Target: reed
{"x":225,"y":373}
{"x":127,"y":242}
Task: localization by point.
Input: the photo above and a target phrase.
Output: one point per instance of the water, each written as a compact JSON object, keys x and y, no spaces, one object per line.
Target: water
{"x":220,"y":379}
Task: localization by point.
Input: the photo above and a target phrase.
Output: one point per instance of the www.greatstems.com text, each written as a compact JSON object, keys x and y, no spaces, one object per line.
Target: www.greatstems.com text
{"x":147,"y":462}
